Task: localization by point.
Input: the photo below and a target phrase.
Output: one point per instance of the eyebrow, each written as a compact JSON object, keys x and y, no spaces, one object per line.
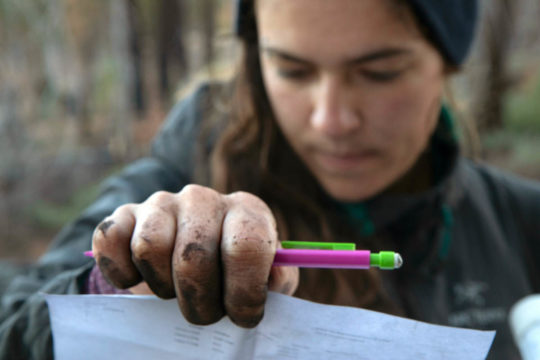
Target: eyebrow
{"x":369,"y":57}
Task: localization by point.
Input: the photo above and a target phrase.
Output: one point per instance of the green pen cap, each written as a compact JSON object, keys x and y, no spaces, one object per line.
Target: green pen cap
{"x":289,"y":244}
{"x":386,"y":260}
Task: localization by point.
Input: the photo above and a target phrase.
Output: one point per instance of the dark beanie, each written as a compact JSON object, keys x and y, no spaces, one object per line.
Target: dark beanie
{"x":451,"y":24}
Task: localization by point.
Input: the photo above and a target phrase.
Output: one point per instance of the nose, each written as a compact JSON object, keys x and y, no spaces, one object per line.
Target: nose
{"x":333,"y":112}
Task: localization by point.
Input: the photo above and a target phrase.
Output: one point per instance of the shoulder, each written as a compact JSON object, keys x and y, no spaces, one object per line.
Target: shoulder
{"x":507,"y":193}
{"x":191,"y":108}
{"x":188,"y":128}
{"x":498,"y":182}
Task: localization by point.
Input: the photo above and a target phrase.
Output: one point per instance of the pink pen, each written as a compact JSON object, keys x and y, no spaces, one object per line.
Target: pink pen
{"x":337,"y":259}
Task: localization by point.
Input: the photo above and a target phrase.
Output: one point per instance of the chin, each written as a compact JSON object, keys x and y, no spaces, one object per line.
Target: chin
{"x":352,"y":192}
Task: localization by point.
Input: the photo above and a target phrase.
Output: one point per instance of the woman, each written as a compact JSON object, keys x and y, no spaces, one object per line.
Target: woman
{"x":336,"y":131}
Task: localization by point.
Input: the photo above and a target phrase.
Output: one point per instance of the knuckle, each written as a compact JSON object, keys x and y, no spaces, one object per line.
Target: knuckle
{"x":253,"y":207}
{"x":124,"y":209}
{"x":248,"y":199}
{"x":249,"y":235}
{"x":200,"y":205}
{"x":194,"y":193}
{"x":160,"y":198}
{"x":247,"y":248}
{"x":118,"y":224}
{"x":197,"y":267}
{"x":153,"y":220}
{"x":196,"y":262}
{"x":194,"y":190}
{"x":98,"y":239}
{"x":194,"y":253}
{"x":202,"y":235}
{"x":148,"y":244}
{"x":104,"y":226}
{"x":142,"y":249}
{"x":104,"y":235}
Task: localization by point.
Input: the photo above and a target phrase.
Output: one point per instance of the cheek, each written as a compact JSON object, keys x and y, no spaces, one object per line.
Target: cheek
{"x":406,"y":119}
{"x":291,"y":107}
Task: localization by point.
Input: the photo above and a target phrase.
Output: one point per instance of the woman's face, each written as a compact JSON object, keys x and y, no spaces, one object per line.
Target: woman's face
{"x":354,"y":86}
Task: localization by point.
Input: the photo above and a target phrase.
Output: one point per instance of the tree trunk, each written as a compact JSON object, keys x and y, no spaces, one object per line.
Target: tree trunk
{"x":171,"y":49}
{"x":498,"y":37}
{"x":135,"y":50}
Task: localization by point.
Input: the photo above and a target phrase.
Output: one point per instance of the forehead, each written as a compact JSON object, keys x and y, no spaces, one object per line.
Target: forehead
{"x":334,"y":28}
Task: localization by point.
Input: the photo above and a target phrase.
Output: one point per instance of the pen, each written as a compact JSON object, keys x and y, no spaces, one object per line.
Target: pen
{"x":337,"y":259}
{"x":322,"y":255}
{"x":334,"y":255}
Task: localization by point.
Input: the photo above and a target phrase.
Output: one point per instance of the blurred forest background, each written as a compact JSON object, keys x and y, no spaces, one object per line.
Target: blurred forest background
{"x":85,"y":84}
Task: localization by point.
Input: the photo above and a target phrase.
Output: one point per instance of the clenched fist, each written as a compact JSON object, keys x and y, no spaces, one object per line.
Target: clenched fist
{"x":212,"y":252}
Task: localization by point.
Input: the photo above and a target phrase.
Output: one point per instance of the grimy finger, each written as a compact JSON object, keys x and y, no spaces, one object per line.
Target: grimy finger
{"x":152,"y":242}
{"x":248,"y":247}
{"x":196,"y":261}
{"x":111,"y":247}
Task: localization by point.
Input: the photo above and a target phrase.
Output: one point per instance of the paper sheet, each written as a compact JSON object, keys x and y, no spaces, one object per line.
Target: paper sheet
{"x":144,"y":327}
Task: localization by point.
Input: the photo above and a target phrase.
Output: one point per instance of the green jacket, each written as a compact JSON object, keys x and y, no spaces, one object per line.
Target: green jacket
{"x":485,"y":253}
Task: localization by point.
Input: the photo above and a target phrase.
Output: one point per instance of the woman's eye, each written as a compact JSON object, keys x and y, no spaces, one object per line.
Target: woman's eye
{"x":381,"y":76}
{"x":294,"y":74}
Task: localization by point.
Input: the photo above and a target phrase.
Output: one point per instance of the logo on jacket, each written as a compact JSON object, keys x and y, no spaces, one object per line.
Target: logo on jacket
{"x":474,"y":311}
{"x":470,"y":293}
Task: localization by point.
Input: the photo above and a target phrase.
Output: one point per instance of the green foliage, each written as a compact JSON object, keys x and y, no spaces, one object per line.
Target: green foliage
{"x":514,"y":151}
{"x":107,"y":83}
{"x":527,"y":152}
{"x":522,"y":109}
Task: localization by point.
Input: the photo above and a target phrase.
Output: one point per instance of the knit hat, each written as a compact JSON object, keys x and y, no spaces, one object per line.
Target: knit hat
{"x":451,"y":24}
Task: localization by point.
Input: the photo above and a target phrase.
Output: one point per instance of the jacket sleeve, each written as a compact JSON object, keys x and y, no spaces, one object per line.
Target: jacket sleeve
{"x":25,"y":331}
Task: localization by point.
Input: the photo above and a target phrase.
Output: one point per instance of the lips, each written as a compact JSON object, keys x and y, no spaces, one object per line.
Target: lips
{"x":344,"y":161}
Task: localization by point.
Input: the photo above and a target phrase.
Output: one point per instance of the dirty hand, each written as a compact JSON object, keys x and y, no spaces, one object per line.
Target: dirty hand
{"x":212,"y":252}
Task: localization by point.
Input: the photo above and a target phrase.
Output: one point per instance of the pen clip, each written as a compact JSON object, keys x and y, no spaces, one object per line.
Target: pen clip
{"x":314,"y":245}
